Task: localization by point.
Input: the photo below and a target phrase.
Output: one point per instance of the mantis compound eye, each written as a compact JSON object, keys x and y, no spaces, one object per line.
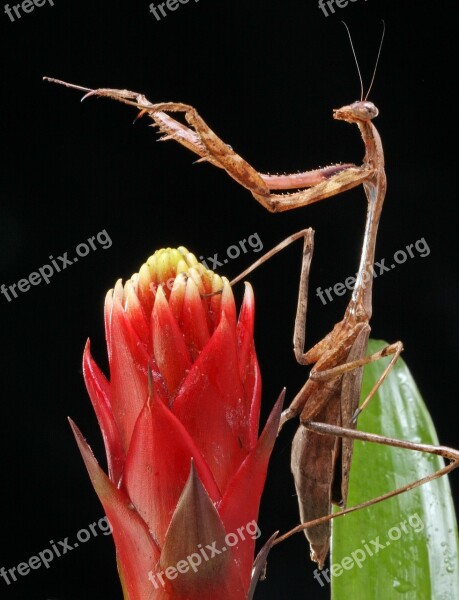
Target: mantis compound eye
{"x":364,"y":110}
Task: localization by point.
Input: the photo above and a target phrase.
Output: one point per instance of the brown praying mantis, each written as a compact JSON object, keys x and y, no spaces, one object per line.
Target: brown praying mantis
{"x":328,"y":401}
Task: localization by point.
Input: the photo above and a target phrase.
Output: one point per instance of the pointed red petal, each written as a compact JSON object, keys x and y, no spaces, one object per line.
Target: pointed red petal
{"x":241,"y":501}
{"x":245,"y":327}
{"x":158,"y":465}
{"x":193,"y":320}
{"x":169,"y":348}
{"x":214,"y":302}
{"x":137,"y":552}
{"x":99,"y":392}
{"x":136,"y":315}
{"x":108,"y":307}
{"x":248,"y":364}
{"x":128,"y":373}
{"x":177,"y":296}
{"x":146,"y":290}
{"x":211,"y":406}
{"x":194,"y":533}
{"x":229,"y":305}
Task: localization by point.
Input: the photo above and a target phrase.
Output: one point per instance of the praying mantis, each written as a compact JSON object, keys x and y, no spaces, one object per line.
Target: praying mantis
{"x":328,"y":402}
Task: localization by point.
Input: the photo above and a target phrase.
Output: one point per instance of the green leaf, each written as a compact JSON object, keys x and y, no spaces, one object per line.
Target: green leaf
{"x":404,"y":548}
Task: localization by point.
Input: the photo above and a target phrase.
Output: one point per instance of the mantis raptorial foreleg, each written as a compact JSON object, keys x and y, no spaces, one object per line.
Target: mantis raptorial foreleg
{"x":204,"y":142}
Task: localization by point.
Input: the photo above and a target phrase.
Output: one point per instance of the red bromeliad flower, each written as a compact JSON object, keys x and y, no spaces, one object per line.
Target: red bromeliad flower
{"x":179,"y":418}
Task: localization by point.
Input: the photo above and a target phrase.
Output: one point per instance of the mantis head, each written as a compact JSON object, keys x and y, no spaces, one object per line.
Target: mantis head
{"x":362,"y":110}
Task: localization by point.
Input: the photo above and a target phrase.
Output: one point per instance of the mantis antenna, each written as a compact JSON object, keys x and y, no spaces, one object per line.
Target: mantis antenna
{"x":357,"y":62}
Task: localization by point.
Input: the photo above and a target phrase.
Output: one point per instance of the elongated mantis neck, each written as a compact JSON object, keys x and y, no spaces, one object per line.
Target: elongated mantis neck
{"x":360,"y":305}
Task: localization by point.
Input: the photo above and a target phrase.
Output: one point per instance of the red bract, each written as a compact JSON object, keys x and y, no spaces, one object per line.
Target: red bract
{"x":179,"y":419}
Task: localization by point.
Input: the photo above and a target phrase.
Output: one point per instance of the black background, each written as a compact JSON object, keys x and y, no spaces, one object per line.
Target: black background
{"x":265,"y":76}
